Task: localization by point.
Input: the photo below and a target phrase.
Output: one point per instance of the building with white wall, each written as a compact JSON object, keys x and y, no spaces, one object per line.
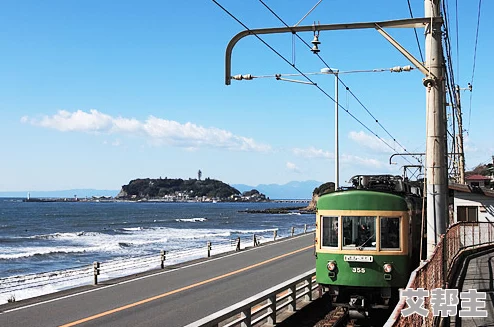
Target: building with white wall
{"x":471,"y":203}
{"x":478,"y":180}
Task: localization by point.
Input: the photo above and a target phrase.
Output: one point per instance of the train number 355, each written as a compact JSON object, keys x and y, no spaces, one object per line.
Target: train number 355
{"x":358,"y":270}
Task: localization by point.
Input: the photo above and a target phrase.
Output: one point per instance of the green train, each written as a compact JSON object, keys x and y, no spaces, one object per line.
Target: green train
{"x":368,"y":239}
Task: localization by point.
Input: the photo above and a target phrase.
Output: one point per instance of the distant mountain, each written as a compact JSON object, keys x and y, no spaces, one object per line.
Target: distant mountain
{"x":290,"y":190}
{"x":81,"y":193}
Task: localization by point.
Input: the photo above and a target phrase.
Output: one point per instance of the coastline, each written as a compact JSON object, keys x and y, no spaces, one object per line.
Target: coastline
{"x":159,"y":200}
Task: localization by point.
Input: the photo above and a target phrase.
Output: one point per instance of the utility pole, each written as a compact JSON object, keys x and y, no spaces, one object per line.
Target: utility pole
{"x":336,"y":141}
{"x":459,"y":137}
{"x":436,"y":150}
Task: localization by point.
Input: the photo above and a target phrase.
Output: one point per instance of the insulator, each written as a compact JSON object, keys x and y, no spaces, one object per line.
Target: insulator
{"x":315,"y":49}
{"x":407,"y":68}
{"x":241,"y":77}
{"x":428,"y":82}
{"x":316,"y":40}
{"x":396,"y":69}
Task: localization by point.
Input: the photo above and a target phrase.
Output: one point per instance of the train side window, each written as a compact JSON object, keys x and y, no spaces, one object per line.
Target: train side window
{"x":359,"y":232}
{"x":330,"y":231}
{"x":390,"y":233}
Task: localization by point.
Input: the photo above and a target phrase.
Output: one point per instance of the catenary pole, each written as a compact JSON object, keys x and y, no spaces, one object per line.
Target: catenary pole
{"x":336,"y":141}
{"x":436,"y":150}
{"x":459,"y":137}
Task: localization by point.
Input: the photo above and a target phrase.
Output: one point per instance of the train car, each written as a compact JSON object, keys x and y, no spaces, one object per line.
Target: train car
{"x":368,"y":240}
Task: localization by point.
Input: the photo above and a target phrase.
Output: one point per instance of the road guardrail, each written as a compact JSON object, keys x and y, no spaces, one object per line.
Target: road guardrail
{"x":265,"y":306}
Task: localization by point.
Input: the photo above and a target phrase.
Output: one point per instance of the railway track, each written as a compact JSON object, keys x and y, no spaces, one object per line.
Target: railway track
{"x":338,"y":317}
{"x":321,"y":313}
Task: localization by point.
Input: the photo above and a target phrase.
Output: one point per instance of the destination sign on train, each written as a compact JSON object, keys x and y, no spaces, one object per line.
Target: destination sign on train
{"x":358,"y":258}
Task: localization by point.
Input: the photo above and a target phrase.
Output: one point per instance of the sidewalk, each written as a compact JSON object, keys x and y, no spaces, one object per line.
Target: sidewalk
{"x":479,"y":276}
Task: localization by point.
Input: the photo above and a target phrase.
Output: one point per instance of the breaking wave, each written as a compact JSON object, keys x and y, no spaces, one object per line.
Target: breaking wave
{"x":191,"y":220}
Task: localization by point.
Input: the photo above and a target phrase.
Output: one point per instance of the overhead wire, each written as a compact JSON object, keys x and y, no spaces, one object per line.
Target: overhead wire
{"x":449,"y":78}
{"x":339,"y":79}
{"x":451,"y":84}
{"x":474,"y":61}
{"x":457,"y":40}
{"x":305,"y":75}
{"x":415,"y":30}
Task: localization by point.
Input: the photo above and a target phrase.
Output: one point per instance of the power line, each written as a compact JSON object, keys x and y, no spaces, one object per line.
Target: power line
{"x":474,"y":60}
{"x":415,"y":30}
{"x":452,"y":87}
{"x":457,"y":41}
{"x":339,"y":79}
{"x":305,"y":76}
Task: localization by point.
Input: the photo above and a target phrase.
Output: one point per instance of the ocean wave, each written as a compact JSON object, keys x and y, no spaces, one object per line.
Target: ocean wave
{"x":294,"y":213}
{"x":191,"y":220}
{"x":132,"y":229}
{"x":64,"y":235}
{"x":198,"y":236}
{"x":254,"y":231}
{"x":36,"y":252}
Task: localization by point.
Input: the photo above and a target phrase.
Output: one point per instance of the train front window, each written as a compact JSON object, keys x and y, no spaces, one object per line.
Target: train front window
{"x":390,"y":233}
{"x":330,"y":231}
{"x":359,"y":232}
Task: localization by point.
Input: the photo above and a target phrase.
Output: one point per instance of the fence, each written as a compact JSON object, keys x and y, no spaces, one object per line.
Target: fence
{"x":436,"y":271}
{"x":20,"y":287}
{"x":263,"y":307}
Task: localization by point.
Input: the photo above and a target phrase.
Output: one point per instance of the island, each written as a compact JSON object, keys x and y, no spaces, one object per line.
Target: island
{"x":185,"y":190}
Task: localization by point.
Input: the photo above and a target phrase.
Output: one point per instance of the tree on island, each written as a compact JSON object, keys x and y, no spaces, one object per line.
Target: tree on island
{"x":251,"y":192}
{"x":158,"y":188}
{"x":199,"y":174}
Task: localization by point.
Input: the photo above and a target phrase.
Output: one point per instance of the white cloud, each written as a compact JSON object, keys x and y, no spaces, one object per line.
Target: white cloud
{"x":92,"y":121}
{"x":347,"y":159}
{"x":312,"y":152}
{"x":468,"y":145}
{"x":372,"y":142}
{"x":293,"y":167}
{"x":359,"y":161}
{"x":158,"y":131}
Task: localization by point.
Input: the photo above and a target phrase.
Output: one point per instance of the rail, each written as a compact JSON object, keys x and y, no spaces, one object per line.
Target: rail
{"x":438,"y":270}
{"x":265,"y":306}
{"x":14,"y":288}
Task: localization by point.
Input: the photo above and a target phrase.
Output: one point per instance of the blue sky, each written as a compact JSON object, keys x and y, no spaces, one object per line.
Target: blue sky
{"x":96,"y":93}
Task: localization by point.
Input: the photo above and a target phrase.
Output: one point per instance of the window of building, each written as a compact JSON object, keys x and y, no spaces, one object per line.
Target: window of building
{"x":330,"y":231}
{"x":359,"y":232}
{"x":467,"y":213}
{"x":390,"y":233}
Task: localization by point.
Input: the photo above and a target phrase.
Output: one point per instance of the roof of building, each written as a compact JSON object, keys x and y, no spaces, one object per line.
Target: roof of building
{"x":476,"y":178}
{"x":471,"y":189}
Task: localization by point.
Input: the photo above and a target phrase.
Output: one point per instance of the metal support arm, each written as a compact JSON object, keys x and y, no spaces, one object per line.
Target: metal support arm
{"x":404,"y":52}
{"x":400,"y":23}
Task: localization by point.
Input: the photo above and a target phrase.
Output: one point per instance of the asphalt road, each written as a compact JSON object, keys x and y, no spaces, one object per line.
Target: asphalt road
{"x":171,"y":298}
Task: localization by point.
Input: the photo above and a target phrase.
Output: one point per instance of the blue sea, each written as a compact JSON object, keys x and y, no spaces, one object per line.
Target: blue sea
{"x":41,"y":237}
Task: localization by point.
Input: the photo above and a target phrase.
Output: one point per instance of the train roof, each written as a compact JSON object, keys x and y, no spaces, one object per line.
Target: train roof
{"x":354,"y":199}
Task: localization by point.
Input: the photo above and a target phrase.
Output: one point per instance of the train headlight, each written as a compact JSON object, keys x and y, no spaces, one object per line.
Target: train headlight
{"x":331,"y":265}
{"x":387,"y":268}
